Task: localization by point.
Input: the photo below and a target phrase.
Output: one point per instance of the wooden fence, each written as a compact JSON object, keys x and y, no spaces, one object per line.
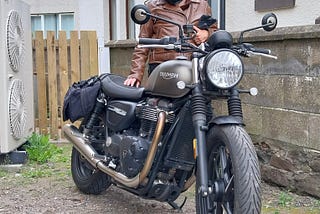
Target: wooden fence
{"x":57,"y":64}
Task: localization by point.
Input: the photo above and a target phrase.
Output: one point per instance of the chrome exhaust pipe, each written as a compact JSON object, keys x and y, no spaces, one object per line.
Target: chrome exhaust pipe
{"x":76,"y":138}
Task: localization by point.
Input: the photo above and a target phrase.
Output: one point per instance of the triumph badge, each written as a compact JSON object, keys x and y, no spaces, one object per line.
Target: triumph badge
{"x":181,"y":85}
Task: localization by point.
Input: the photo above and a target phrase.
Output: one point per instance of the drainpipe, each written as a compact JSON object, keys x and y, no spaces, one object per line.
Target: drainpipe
{"x":222,"y":14}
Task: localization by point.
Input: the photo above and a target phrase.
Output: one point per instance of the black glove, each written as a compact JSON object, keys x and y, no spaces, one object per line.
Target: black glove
{"x":205,"y":22}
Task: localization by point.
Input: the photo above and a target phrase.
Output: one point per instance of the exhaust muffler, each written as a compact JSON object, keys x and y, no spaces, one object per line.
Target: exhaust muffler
{"x":90,"y":154}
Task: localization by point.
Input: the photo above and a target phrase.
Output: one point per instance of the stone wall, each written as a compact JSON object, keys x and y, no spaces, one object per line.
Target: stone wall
{"x":284,"y":118}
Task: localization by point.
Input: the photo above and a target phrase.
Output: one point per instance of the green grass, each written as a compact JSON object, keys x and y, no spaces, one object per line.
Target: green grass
{"x":39,"y":148}
{"x":285,"y":199}
{"x":46,"y":159}
{"x":3,"y":173}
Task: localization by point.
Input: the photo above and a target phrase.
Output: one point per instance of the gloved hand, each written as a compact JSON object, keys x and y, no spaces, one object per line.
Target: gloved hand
{"x":205,"y":22}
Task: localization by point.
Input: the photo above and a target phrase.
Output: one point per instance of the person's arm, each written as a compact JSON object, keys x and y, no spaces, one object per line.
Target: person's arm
{"x":206,"y":26}
{"x":214,"y":26}
{"x":140,"y":57}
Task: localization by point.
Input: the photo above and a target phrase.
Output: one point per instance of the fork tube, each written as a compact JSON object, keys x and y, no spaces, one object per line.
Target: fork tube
{"x":195,"y":72}
{"x":199,"y":124}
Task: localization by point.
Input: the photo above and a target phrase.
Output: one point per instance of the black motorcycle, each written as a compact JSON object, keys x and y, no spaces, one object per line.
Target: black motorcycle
{"x":157,"y":141}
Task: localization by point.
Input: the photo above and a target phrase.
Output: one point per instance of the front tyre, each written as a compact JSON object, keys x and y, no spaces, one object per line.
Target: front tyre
{"x":233,"y":173}
{"x":86,"y":178}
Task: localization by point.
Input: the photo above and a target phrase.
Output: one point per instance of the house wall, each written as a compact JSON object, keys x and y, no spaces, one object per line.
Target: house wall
{"x":241,"y":15}
{"x":48,"y":6}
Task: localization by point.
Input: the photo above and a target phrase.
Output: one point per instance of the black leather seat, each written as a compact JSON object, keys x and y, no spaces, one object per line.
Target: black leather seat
{"x":112,"y":86}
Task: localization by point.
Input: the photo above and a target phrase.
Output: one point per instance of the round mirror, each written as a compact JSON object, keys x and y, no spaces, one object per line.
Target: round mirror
{"x":140,"y":14}
{"x":269,"y":22}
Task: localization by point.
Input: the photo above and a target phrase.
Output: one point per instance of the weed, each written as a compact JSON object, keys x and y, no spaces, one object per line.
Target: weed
{"x":39,"y":148}
{"x":37,"y":173}
{"x":3,"y":173}
{"x":284,"y":199}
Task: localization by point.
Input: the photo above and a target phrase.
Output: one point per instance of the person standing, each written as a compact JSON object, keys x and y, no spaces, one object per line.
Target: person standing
{"x":180,"y":11}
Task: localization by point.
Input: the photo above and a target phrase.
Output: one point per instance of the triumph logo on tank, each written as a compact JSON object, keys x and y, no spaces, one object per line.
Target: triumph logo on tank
{"x":168,"y":75}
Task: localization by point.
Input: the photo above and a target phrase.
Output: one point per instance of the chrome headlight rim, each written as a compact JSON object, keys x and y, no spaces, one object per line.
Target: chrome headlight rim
{"x":214,"y":53}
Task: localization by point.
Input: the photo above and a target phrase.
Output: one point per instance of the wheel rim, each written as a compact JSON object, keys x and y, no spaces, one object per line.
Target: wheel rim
{"x":222,"y":180}
{"x":83,"y":168}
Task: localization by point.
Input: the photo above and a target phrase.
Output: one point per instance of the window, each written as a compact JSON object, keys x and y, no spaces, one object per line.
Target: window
{"x":263,"y":5}
{"x":53,"y":22}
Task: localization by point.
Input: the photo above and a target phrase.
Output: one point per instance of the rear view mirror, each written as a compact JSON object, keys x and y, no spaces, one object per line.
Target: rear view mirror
{"x":269,"y":22}
{"x":140,"y":14}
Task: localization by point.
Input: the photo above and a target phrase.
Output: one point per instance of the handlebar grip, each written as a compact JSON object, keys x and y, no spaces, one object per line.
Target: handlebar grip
{"x":261,"y":50}
{"x":163,"y":41}
{"x":148,"y":41}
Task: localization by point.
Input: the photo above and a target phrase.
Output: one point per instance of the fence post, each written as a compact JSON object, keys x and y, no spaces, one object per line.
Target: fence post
{"x":52,"y":81}
{"x":89,"y":54}
{"x":42,"y":83}
{"x":74,"y":56}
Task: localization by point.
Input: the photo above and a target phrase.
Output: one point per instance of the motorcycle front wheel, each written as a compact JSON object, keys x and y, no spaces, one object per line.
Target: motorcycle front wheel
{"x":233,"y":173}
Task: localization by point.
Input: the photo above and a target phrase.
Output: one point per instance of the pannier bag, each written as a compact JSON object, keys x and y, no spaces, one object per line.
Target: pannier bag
{"x":80,"y":99}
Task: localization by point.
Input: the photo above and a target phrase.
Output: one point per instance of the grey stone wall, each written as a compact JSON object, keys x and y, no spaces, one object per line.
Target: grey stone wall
{"x":288,"y":106}
{"x":284,"y":118}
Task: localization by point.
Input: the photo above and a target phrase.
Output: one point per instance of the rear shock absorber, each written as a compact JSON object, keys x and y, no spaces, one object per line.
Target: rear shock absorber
{"x":234,"y":104}
{"x":94,"y":117}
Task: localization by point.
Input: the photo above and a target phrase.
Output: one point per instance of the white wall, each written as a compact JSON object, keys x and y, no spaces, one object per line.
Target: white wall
{"x":240,"y":15}
{"x":91,"y":16}
{"x":54,"y":6}
{"x":51,"y":6}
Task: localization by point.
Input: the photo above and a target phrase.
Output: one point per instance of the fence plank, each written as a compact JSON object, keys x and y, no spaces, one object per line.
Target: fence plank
{"x":52,"y":80}
{"x":74,"y":56}
{"x":89,"y":54}
{"x":63,"y":70}
{"x":41,"y":80}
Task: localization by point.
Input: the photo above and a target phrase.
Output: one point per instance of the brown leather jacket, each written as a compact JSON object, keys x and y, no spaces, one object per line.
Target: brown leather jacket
{"x":188,"y":12}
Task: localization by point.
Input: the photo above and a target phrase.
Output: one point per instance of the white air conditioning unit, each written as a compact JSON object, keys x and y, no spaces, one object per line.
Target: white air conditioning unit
{"x":16,"y":75}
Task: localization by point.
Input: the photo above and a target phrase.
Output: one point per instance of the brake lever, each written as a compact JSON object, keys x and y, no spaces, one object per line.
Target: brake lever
{"x":252,"y":53}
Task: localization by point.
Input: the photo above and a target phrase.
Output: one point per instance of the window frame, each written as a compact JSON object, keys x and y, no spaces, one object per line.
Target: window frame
{"x":58,"y":21}
{"x":268,"y":5}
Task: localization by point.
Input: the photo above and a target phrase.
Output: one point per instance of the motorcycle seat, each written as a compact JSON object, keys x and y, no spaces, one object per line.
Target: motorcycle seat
{"x":112,"y":85}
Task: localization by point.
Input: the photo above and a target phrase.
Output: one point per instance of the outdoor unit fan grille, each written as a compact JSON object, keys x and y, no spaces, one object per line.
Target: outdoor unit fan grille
{"x":15,"y":40}
{"x":17,"y":109}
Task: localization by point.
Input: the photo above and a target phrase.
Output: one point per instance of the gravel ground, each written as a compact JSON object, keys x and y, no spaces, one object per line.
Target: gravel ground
{"x":49,"y":189}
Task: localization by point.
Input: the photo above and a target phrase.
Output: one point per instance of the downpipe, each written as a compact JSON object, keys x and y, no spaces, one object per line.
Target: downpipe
{"x":90,"y":154}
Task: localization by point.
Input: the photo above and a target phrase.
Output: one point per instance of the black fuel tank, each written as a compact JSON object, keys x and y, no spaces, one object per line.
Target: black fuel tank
{"x":166,"y":77}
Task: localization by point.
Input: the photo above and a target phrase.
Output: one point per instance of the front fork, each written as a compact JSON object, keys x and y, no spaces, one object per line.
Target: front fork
{"x":199,"y":113}
{"x":199,"y":118}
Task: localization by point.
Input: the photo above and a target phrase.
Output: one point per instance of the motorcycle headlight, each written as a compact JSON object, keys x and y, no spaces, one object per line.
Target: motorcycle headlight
{"x":224,"y":68}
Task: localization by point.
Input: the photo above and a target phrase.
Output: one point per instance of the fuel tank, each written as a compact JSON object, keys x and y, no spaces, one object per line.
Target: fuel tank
{"x":169,"y":79}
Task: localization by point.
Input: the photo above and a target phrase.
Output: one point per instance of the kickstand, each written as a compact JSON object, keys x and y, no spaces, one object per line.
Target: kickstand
{"x":175,"y":206}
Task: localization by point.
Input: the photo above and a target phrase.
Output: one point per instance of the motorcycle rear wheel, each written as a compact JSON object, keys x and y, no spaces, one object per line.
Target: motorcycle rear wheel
{"x":233,"y":172}
{"x":87,"y":179}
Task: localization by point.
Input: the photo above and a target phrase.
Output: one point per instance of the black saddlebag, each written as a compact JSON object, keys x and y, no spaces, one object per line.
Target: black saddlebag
{"x":80,"y":98}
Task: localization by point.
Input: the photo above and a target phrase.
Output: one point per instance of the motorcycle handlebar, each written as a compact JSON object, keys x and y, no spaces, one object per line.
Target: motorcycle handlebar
{"x":261,"y":50}
{"x":163,"y":41}
{"x":247,"y":49}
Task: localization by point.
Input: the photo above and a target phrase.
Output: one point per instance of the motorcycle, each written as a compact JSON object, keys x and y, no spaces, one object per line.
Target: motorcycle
{"x":157,"y":141}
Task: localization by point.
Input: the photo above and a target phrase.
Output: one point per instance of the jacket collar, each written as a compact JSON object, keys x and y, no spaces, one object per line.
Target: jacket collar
{"x":162,"y":2}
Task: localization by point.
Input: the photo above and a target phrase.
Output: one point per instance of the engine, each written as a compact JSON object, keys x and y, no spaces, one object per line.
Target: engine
{"x":129,"y":148}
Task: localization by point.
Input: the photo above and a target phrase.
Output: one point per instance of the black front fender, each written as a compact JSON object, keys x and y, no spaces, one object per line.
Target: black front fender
{"x":226,"y":120}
